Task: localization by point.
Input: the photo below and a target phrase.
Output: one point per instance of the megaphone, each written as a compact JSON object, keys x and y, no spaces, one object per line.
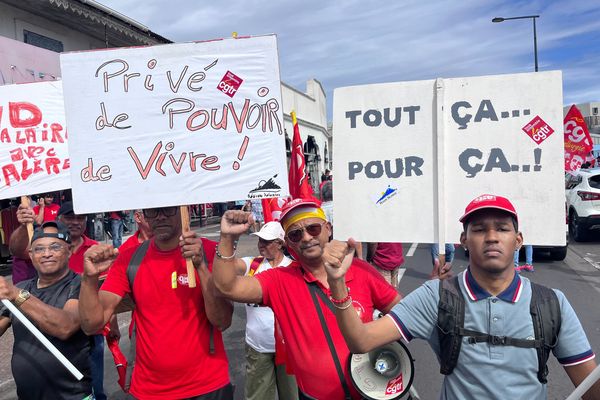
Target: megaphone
{"x":385,"y":373}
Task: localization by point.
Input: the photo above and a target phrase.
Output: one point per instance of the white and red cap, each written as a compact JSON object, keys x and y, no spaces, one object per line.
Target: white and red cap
{"x":298,"y":209}
{"x":489,"y":201}
{"x":271,"y":231}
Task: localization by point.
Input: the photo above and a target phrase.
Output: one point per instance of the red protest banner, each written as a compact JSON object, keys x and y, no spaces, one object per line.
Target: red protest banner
{"x":578,"y":142}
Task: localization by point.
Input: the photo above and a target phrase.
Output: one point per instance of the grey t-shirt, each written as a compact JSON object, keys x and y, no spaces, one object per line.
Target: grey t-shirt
{"x":37,"y":373}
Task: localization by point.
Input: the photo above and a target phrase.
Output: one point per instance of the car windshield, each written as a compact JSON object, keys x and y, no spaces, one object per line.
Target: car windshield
{"x":594,"y":181}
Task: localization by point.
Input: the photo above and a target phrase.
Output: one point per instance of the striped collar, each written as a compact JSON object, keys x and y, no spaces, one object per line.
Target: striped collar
{"x":511,"y":294}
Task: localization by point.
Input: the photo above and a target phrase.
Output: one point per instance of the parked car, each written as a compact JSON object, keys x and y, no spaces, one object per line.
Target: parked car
{"x":582,"y":189}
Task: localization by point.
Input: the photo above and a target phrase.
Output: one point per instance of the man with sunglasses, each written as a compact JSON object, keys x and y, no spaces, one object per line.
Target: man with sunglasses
{"x":51,"y":303}
{"x":300,"y":298}
{"x":179,"y":354}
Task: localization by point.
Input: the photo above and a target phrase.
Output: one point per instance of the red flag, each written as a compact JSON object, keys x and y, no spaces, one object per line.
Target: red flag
{"x":118,"y":357}
{"x":298,"y":178}
{"x":578,"y":142}
{"x":272,"y":208}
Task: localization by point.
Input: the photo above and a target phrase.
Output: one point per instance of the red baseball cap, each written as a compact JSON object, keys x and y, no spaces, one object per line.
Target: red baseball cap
{"x":489,"y":201}
{"x":298,"y":204}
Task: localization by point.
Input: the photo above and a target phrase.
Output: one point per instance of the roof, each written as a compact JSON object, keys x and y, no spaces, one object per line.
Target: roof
{"x":93,"y":19}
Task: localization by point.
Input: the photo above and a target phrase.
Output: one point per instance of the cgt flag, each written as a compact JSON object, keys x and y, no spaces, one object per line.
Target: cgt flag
{"x":578,"y":142}
{"x":297,"y":178}
{"x":272,"y":208}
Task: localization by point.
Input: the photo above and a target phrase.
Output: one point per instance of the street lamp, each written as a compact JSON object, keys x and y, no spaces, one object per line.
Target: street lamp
{"x":533,"y":17}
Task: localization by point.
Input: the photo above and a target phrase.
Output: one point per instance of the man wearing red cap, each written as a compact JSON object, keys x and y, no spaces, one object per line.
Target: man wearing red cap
{"x":493,"y":352}
{"x":301,"y":298}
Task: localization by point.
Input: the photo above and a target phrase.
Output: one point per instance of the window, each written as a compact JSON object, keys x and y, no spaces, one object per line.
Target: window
{"x":595,"y":111}
{"x":42,"y":41}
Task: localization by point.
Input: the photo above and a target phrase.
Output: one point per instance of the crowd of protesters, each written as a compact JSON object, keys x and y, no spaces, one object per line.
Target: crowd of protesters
{"x":309,"y":299}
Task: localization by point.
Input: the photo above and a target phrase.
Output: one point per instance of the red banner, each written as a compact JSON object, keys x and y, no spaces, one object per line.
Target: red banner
{"x":578,"y":142}
{"x":298,"y":178}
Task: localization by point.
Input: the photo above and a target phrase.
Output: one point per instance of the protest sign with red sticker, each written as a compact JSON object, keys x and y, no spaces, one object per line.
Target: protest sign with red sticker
{"x":538,"y":130}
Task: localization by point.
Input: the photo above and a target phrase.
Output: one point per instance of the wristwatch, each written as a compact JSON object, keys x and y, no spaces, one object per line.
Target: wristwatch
{"x":22,"y":297}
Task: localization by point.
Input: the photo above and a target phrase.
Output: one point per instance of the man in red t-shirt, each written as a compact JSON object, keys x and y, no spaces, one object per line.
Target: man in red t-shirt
{"x":46,"y":210}
{"x":143,"y":233}
{"x":295,"y":292}
{"x":174,"y":335}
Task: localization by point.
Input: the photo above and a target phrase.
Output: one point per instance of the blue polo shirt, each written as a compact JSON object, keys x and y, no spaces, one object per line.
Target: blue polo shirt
{"x":486,"y":371}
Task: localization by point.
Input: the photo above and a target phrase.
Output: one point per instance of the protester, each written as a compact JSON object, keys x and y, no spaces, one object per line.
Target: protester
{"x":292,"y":294}
{"x":46,"y":210}
{"x":257,"y":213}
{"x":51,"y":303}
{"x":327,"y":197}
{"x":435,"y":254}
{"x":116,"y":227}
{"x":178,"y":353}
{"x":80,"y":243}
{"x":263,"y":376}
{"x":497,"y":358}
{"x":528,"y":266}
{"x":387,"y":258}
{"x":143,"y":233}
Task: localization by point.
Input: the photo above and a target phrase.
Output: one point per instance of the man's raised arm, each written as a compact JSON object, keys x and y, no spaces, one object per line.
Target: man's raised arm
{"x":243,"y":289}
{"x":360,"y":337}
{"x":95,"y":309}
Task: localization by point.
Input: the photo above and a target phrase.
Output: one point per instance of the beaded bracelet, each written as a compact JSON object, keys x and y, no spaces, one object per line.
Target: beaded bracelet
{"x":342,"y":301}
{"x":344,"y":307}
{"x":221,"y":256}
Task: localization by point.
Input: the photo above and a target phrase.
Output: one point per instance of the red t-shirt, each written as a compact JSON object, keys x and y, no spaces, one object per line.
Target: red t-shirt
{"x":388,"y":256}
{"x":76,"y":260}
{"x":285,"y":290}
{"x":50,"y":212}
{"x":133,"y":241}
{"x":172,"y":358}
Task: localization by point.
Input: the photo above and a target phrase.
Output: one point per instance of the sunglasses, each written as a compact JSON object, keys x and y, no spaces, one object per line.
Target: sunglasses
{"x":166,"y":211}
{"x":312,"y":229}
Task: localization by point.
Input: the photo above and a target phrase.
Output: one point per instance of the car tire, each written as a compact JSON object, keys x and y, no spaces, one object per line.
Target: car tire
{"x":559,"y":253}
{"x":576,"y":230}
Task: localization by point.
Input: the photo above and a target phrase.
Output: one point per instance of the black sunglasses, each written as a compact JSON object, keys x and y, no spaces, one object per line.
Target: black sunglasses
{"x":166,"y":211}
{"x":312,"y":229}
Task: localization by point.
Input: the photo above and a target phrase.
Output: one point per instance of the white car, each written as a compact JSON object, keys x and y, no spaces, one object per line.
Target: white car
{"x":582,"y":189}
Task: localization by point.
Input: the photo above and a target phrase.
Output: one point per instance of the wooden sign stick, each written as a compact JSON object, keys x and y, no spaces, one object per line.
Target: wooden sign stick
{"x":185,"y":226}
{"x":25,"y":201}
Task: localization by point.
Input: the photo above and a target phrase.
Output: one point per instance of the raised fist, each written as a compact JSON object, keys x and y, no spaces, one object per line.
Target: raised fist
{"x":236,"y":222}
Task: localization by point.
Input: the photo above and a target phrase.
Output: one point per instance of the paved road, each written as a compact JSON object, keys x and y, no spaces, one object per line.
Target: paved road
{"x":578,"y":277}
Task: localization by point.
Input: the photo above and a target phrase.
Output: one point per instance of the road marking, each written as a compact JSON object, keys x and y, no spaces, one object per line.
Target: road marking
{"x":594,"y":264}
{"x":401,"y":272}
{"x":412,"y":250}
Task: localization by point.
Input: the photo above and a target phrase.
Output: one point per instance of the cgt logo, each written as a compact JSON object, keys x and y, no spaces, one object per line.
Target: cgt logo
{"x":230,"y":84}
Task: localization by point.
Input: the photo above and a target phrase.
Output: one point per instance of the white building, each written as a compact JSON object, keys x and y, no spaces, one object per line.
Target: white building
{"x":311,"y":112}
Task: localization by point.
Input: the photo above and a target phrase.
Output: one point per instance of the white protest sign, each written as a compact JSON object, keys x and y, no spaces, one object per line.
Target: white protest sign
{"x":34,"y":155}
{"x":175,"y":124}
{"x":500,"y":137}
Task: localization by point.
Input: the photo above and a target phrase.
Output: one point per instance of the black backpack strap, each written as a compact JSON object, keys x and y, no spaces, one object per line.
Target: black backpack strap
{"x":451,"y":317}
{"x":314,"y":290}
{"x":480,"y":337}
{"x":135,"y":262}
{"x":546,"y":318}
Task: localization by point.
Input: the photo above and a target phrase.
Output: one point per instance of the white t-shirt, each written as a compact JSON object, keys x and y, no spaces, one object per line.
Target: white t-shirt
{"x":260,"y":322}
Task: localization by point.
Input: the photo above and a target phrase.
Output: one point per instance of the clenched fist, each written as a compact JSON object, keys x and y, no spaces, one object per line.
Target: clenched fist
{"x":337,"y":258}
{"x":235,"y":222}
{"x":98,"y":259}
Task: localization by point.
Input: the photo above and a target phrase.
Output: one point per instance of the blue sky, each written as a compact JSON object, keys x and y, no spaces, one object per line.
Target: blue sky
{"x":345,"y":43}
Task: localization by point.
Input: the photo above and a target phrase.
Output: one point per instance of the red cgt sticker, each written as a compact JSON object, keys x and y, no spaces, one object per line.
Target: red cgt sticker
{"x":538,"y":130}
{"x":395,"y":386}
{"x":230,"y":83}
